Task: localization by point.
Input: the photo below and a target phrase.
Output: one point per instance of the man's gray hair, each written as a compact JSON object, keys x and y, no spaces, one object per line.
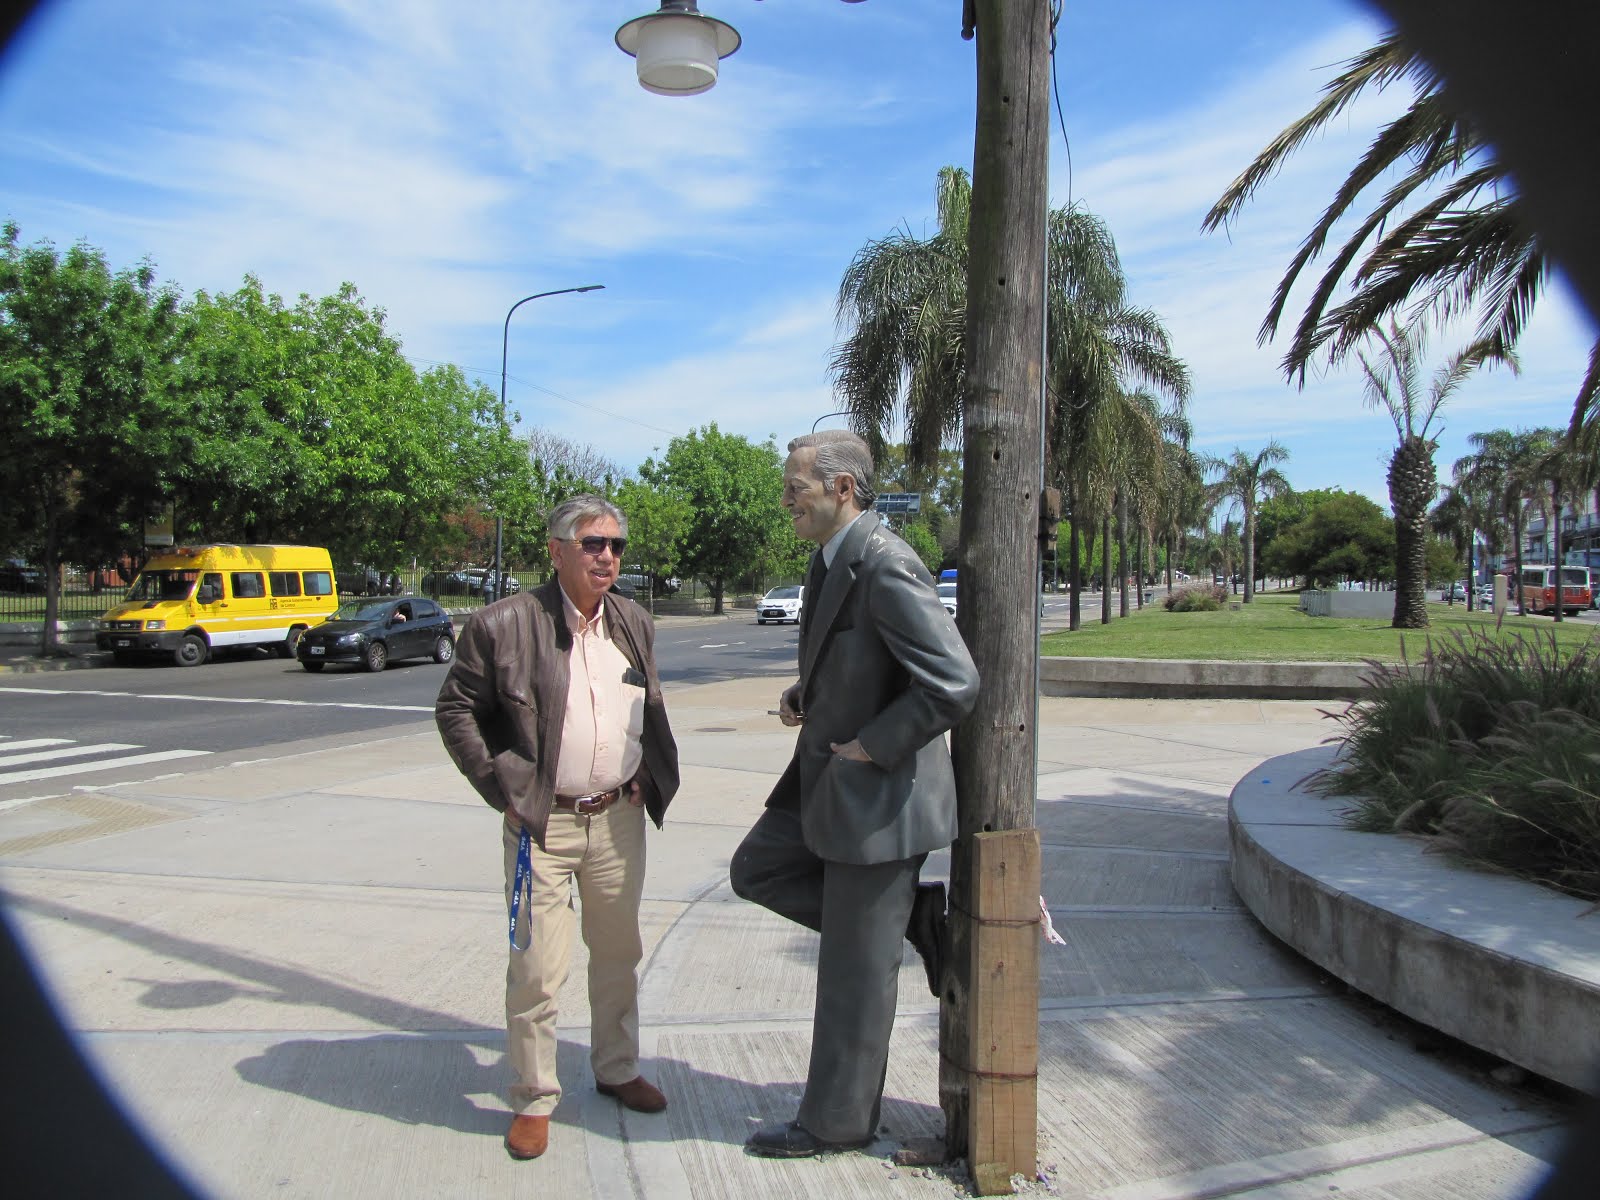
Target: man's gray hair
{"x":840,"y":452}
{"x":565,"y":517}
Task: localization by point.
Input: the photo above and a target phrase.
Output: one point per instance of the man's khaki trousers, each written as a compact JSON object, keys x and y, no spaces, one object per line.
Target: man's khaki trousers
{"x":604,"y":854}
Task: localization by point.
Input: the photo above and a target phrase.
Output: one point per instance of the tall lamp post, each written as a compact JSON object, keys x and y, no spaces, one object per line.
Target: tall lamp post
{"x":499,"y":522}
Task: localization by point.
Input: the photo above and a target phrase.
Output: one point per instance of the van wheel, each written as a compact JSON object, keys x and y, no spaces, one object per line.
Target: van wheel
{"x":287,"y":647}
{"x":443,"y":649}
{"x":313,"y":667}
{"x":192,"y":651}
{"x":377,"y":657}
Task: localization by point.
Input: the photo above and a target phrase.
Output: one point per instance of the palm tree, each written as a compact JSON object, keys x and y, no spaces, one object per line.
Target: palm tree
{"x":1452,"y":519}
{"x":1466,"y":244}
{"x":1396,"y":385}
{"x":904,"y":300}
{"x":1505,"y":470}
{"x":902,"y":307}
{"x":1247,"y":481}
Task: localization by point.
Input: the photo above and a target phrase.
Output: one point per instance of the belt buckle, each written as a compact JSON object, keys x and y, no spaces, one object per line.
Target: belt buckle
{"x":591,"y":804}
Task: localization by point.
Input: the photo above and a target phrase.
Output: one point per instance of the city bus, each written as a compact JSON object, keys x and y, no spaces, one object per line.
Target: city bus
{"x":1538,"y":586}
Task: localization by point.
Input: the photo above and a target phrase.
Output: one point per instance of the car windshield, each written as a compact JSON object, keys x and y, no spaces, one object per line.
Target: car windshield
{"x":163,"y":585}
{"x":361,"y":610}
{"x":784,"y":593}
{"x":947,"y":591}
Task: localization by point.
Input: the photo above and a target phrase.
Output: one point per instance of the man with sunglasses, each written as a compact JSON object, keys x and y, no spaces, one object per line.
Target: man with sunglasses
{"x":868,"y":793}
{"x":553,"y":710}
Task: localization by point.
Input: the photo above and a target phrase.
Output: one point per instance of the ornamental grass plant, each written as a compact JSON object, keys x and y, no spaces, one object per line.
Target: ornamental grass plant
{"x":1490,"y":746}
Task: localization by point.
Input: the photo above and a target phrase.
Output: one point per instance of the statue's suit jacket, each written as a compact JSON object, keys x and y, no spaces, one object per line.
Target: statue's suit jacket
{"x":880,"y":661}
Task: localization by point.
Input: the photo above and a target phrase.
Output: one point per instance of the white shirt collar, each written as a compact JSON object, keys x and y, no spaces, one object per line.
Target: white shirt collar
{"x":831,"y":546}
{"x":576,"y":620}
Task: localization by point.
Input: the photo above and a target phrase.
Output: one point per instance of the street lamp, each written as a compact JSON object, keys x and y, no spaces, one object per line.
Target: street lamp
{"x":499,"y":523}
{"x":825,"y":416}
{"x":678,"y":48}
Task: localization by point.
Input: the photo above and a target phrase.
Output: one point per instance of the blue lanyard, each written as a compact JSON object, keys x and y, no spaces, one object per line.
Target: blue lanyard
{"x":523,"y":883}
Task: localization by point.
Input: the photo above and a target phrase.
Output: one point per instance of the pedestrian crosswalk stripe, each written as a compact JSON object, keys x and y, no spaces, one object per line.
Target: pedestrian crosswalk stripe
{"x":32,"y":743}
{"x":68,"y":750}
{"x":103,"y":764}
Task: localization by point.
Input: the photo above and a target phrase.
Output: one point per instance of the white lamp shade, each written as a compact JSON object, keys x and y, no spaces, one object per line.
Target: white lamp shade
{"x":677,"y":53}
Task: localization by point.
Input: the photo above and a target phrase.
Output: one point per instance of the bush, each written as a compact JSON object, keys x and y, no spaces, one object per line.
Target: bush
{"x":1196,"y":597}
{"x":1491,"y":747}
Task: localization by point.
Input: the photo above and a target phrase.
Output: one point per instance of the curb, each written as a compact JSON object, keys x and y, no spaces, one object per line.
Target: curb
{"x":1180,"y":679}
{"x":1497,"y":962}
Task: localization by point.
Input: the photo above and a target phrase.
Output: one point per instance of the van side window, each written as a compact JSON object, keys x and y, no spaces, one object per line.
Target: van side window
{"x":319,"y":583}
{"x":247,"y":585}
{"x":284,"y":583}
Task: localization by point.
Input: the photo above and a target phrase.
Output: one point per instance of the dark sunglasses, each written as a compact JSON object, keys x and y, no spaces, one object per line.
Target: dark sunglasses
{"x":593,"y":544}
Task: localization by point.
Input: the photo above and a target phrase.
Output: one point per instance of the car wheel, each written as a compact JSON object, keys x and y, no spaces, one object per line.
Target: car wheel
{"x":377,"y":657}
{"x":761,"y":620}
{"x":287,"y":647}
{"x":443,"y":649}
{"x":313,"y":667}
{"x":192,"y":651}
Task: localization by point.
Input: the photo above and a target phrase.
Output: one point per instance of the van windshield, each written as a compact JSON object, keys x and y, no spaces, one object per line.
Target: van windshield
{"x":163,"y":585}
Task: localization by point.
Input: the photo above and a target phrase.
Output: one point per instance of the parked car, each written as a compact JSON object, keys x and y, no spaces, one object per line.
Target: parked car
{"x":781,"y":604}
{"x":481,"y":580}
{"x":444,"y":583}
{"x":373,"y":633}
{"x":947,"y":597}
{"x":1456,"y":591}
{"x":360,"y":580}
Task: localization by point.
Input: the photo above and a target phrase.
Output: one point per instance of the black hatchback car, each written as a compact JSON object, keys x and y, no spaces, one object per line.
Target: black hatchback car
{"x":371,"y":633}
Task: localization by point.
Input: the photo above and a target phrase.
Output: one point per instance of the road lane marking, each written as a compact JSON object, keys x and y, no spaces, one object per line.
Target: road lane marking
{"x":131,"y":760}
{"x":32,"y":743}
{"x":420,"y":708}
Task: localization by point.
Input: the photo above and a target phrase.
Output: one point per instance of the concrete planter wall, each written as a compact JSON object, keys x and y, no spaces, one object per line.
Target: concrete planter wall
{"x":1159,"y":678}
{"x":1502,"y":964}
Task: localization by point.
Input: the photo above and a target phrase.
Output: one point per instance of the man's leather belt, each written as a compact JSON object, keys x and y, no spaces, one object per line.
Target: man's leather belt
{"x":587,"y":806}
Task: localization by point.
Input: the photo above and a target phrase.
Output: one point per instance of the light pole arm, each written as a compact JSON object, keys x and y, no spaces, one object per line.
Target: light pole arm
{"x":505,"y":340}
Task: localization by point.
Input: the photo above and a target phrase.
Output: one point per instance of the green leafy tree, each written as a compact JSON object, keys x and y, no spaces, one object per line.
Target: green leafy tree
{"x":734,"y":488}
{"x":921,"y":538}
{"x":1344,"y":537}
{"x":659,"y":519}
{"x":90,"y":406}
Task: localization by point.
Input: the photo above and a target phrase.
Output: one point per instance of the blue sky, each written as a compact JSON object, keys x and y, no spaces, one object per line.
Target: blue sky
{"x":449,"y":159}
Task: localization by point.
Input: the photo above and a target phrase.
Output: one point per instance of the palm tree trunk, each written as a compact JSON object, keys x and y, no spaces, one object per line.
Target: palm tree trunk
{"x":1122,"y":549}
{"x":1249,"y":549}
{"x":1412,"y":484}
{"x":1105,"y":568}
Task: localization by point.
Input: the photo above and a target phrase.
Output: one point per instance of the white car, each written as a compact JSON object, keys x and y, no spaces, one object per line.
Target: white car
{"x":947,"y":597}
{"x":781,"y":604}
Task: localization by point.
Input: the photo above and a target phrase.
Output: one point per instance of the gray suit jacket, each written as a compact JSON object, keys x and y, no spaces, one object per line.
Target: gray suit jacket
{"x":880,"y":660}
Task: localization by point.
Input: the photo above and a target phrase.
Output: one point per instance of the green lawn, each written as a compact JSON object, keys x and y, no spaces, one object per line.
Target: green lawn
{"x":1271,"y":628}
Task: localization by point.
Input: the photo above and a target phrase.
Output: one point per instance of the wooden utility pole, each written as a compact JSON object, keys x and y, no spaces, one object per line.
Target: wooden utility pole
{"x":989,"y":1015}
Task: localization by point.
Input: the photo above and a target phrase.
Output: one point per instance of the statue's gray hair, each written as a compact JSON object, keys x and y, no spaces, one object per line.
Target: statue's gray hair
{"x":840,"y":452}
{"x":565,"y":517}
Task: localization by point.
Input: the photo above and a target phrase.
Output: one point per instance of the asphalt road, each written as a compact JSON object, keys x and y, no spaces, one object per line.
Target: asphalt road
{"x":61,"y":731}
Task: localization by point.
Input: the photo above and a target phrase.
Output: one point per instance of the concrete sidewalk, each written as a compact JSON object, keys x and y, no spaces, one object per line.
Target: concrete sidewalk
{"x":292,"y":970}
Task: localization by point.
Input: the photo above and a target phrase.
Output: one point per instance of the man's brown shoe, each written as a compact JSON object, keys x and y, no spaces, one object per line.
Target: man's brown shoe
{"x":638,"y":1094}
{"x":528,"y":1137}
